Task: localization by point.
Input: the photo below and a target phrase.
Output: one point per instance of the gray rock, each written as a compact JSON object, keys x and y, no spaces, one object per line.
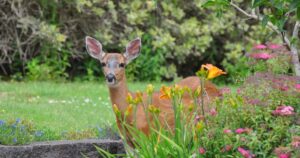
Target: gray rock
{"x":62,"y":149}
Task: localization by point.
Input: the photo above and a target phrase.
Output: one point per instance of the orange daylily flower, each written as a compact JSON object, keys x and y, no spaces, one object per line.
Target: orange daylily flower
{"x":165,"y":92}
{"x":213,"y":71}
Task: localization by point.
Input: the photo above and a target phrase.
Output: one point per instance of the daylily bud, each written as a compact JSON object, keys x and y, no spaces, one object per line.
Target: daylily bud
{"x":128,"y":110}
{"x":129,"y":98}
{"x":116,"y":110}
{"x":150,"y":89}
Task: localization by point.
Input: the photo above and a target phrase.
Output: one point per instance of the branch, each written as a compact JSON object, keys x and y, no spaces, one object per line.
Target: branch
{"x":254,"y":16}
{"x":294,"y":51}
{"x":244,"y":12}
{"x":296,"y":29}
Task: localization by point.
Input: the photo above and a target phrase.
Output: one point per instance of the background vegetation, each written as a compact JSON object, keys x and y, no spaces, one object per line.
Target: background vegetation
{"x":44,"y":40}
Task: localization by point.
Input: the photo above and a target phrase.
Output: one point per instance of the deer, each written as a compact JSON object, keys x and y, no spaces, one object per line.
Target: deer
{"x":113,"y":66}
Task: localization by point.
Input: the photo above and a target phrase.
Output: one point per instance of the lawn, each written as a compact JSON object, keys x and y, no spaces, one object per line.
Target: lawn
{"x":59,"y":107}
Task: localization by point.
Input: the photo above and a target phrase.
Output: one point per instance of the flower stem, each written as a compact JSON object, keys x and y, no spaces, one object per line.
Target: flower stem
{"x":202,"y":99}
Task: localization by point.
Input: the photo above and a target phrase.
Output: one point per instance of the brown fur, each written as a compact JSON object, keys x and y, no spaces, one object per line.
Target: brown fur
{"x":118,"y":90}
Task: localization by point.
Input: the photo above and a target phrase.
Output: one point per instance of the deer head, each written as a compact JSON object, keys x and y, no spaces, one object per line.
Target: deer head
{"x":113,"y":64}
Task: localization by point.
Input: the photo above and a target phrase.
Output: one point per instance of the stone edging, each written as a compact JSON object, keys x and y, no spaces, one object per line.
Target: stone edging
{"x":62,"y":149}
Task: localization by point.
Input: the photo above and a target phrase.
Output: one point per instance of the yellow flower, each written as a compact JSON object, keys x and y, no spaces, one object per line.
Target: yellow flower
{"x":197,"y":92}
{"x":165,"y":92}
{"x":150,"y":89}
{"x":213,"y":71}
{"x":116,"y":110}
{"x":139,"y":97}
{"x":129,"y":98}
{"x":153,"y":109}
{"x":129,"y":110}
{"x":191,"y":107}
{"x":199,"y":126}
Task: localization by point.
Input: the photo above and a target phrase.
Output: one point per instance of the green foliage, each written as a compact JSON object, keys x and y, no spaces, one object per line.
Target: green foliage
{"x":172,"y":33}
{"x":147,"y":66}
{"x":237,"y":122}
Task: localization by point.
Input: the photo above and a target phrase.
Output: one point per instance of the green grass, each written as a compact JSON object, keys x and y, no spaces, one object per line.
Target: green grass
{"x":59,"y":107}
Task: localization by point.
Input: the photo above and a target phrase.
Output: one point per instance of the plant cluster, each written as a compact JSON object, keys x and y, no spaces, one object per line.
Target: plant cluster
{"x":19,"y":132}
{"x":261,"y":119}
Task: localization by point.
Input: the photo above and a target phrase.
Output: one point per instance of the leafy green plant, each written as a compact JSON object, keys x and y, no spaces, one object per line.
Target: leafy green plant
{"x":16,"y":132}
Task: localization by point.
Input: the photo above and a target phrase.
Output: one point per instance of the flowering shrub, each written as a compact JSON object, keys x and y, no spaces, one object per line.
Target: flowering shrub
{"x":270,"y":57}
{"x":258,"y":121}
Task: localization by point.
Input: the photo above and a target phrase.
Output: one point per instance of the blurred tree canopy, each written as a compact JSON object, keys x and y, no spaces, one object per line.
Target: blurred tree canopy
{"x":42,"y":40}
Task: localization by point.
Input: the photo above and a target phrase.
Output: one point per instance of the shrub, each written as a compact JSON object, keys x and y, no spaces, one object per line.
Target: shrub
{"x":177,"y":37}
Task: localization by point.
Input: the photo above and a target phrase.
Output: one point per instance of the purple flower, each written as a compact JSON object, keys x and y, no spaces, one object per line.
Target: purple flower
{"x":38,"y":133}
{"x":2,"y":122}
{"x":18,"y":120}
{"x":15,"y":140}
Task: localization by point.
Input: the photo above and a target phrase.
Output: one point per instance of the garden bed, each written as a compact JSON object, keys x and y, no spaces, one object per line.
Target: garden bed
{"x":62,"y":149}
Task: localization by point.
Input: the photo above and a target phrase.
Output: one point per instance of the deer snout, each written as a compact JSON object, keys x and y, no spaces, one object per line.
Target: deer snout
{"x":110,"y":78}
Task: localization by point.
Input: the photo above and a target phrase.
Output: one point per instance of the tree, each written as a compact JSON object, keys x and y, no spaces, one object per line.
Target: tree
{"x":277,"y":15}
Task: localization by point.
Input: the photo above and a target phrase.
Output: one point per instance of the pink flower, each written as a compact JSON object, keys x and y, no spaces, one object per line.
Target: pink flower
{"x":245,"y":153}
{"x":254,"y":101}
{"x":260,"y":46}
{"x":213,"y":112}
{"x":284,"y":156}
{"x":274,"y":46}
{"x":261,"y":55}
{"x":198,"y":118}
{"x":297,"y":86}
{"x":296,"y":142}
{"x":226,"y":148}
{"x":225,"y":90}
{"x":227,"y":131}
{"x":282,"y":152}
{"x":238,"y":91}
{"x":240,"y":130}
{"x":284,"y":88}
{"x":283,"y":111}
{"x":202,"y":150}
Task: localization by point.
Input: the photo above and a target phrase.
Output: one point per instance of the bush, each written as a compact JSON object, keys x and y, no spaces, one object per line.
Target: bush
{"x":177,"y":37}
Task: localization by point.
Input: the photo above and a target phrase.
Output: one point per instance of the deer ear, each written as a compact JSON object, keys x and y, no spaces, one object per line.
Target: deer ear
{"x":94,"y":48}
{"x":133,"y":50}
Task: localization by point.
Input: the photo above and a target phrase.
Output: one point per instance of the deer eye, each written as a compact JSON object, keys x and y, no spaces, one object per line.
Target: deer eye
{"x":121,"y":65}
{"x":103,"y":64}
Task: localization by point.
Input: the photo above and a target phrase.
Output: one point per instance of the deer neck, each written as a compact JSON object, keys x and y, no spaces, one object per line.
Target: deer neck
{"x":118,"y":95}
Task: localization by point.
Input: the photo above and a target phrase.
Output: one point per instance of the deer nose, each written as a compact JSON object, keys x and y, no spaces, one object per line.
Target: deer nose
{"x":110,"y":77}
